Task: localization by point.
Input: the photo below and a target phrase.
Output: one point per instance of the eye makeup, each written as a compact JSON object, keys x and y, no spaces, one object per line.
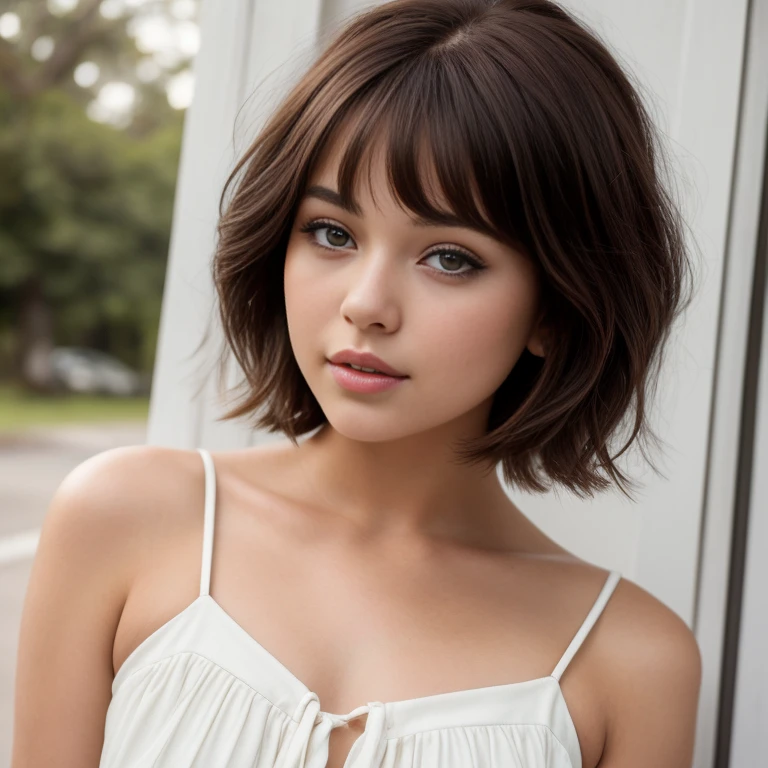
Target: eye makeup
{"x":477,"y":266}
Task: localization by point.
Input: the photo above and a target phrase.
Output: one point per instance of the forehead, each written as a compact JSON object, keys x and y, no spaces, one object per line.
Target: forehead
{"x":357,"y":165}
{"x":372,"y":175}
{"x":429,"y":167}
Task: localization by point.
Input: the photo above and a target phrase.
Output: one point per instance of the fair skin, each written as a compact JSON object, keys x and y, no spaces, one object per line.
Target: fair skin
{"x":371,"y":564}
{"x":386,"y":461}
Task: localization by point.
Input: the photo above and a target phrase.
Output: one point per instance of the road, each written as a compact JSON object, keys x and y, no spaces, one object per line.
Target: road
{"x":32,"y":465}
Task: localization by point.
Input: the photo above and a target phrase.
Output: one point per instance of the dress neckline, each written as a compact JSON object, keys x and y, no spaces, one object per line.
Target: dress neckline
{"x":498,"y":704}
{"x":458,"y":693}
{"x":297,"y":681}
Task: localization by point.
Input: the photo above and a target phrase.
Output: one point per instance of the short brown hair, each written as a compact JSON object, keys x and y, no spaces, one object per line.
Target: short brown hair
{"x":538,"y":136}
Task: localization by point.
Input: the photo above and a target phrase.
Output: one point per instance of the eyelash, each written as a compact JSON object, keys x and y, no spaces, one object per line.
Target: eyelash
{"x":478,"y":266}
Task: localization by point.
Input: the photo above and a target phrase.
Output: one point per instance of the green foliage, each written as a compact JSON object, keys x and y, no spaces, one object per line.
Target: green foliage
{"x":88,"y":209}
{"x":85,"y":208}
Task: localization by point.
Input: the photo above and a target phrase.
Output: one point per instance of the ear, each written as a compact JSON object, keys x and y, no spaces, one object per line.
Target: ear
{"x":538,"y":341}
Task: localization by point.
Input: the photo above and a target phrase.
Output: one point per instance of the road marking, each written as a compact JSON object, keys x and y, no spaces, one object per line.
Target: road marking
{"x":19,"y":546}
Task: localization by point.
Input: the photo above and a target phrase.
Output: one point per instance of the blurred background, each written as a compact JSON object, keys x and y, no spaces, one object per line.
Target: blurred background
{"x":119,"y":123}
{"x":93,"y":95}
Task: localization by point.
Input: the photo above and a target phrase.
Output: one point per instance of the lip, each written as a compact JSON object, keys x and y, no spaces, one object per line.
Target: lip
{"x":365,"y":383}
{"x":365,"y":360}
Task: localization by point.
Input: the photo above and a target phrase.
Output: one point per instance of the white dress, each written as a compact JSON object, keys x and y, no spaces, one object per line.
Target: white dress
{"x":201,"y":692}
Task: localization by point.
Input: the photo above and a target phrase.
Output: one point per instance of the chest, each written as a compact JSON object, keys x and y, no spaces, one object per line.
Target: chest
{"x":354,"y":627}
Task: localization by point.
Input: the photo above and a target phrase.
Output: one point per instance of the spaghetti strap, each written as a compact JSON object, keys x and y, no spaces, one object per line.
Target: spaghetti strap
{"x":208,"y":520}
{"x":592,"y":617}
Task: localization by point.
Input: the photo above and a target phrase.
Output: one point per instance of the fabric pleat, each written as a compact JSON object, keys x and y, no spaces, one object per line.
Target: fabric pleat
{"x":200,"y":692}
{"x":183,"y":709}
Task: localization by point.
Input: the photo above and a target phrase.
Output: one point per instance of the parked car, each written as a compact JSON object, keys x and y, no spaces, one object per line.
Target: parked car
{"x":83,"y":370}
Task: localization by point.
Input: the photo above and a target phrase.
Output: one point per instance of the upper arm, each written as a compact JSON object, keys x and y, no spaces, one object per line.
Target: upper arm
{"x":80,"y":578}
{"x":652,"y":683}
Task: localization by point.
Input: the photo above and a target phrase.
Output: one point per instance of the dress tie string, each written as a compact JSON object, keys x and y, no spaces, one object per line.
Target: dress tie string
{"x":309,"y":742}
{"x":368,"y":750}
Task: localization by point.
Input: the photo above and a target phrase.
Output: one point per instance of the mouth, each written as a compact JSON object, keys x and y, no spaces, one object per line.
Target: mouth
{"x":365,"y":362}
{"x":368,"y":371}
{"x":365,"y":382}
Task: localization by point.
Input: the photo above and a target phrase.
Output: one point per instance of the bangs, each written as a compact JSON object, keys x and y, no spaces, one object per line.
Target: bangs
{"x":445,"y":164}
{"x":515,"y":120}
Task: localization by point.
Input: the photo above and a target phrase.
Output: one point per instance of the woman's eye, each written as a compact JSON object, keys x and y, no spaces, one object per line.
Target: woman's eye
{"x":448,"y":260}
{"x":327,"y":235}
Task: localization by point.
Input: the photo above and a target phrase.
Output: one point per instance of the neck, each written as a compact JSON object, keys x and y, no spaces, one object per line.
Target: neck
{"x":413,"y":487}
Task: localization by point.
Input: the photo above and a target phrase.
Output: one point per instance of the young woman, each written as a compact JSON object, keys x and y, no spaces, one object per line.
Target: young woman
{"x":449,"y":249}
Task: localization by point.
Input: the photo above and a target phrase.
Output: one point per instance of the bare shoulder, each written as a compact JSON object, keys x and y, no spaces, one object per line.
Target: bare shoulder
{"x":116,"y":501}
{"x":128,"y":486}
{"x":132,"y":469}
{"x":91,"y":542}
{"x":647,"y":637}
{"x":650,"y":676}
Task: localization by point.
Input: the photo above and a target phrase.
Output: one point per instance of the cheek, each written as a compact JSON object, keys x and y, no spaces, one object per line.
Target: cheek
{"x":303,"y":302}
{"x":478,"y":339}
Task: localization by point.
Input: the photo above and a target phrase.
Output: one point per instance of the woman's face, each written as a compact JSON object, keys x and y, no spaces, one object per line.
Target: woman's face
{"x":450,"y":307}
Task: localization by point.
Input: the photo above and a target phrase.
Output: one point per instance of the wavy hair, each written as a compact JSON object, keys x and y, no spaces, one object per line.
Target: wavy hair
{"x":537,"y":136}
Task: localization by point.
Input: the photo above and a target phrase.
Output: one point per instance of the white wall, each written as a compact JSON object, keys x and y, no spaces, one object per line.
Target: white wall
{"x":751,"y":684}
{"x":244,"y":44}
{"x":688,"y":55}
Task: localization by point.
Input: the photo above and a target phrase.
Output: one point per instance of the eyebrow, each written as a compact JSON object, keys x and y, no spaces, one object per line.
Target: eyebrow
{"x":446,"y":219}
{"x":333,"y":197}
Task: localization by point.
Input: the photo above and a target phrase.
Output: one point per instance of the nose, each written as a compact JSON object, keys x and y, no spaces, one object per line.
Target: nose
{"x":374,"y":293}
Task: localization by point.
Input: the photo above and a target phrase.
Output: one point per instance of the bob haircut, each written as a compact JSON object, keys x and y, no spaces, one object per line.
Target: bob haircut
{"x":537,"y":137}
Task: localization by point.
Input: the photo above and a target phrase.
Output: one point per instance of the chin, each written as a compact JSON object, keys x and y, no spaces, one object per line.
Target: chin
{"x":370,"y":428}
{"x":374,"y":423}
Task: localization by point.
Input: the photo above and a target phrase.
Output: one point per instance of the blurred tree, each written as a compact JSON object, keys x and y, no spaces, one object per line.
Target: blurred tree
{"x":85,"y":214}
{"x":85,"y":207}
